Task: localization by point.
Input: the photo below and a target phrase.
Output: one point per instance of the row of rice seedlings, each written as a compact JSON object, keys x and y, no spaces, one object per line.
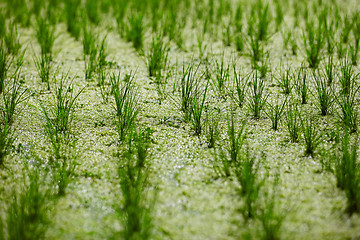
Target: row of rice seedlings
{"x":58,"y":117}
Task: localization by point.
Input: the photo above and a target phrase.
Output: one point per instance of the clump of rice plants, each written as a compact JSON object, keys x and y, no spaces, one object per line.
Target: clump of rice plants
{"x":11,"y":38}
{"x":240,"y":87}
{"x":157,"y":58}
{"x":72,"y":14}
{"x":225,"y":159}
{"x":222,"y":75}
{"x":348,"y":111}
{"x":135,"y":30}
{"x":285,"y":81}
{"x":197,"y":109}
{"x":188,"y":88}
{"x":5,"y":61}
{"x":325,"y":97}
{"x":90,"y":51}
{"x":126,"y":104}
{"x":92,"y":11}
{"x":257,"y":99}
{"x":301,"y":85}
{"x":293,"y":123}
{"x":275,"y":113}
{"x":45,"y":36}
{"x":313,"y":42}
{"x":312,"y":137}
{"x":347,"y":77}
{"x":211,"y":129}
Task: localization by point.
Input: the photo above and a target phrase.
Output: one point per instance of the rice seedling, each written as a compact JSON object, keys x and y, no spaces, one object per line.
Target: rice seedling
{"x":43,"y":66}
{"x":347,"y":77}
{"x":13,"y":95}
{"x":312,"y":138}
{"x":137,"y":206}
{"x":247,"y":172}
{"x":104,"y":85}
{"x":286,"y":36}
{"x":264,"y":66}
{"x":92,"y":11}
{"x":126,"y":104}
{"x":197,"y":109}
{"x":90,"y":51}
{"x":173,"y":26}
{"x":329,"y":70}
{"x":347,"y":173}
{"x":279,"y":18}
{"x":270,"y":217}
{"x":7,"y":139}
{"x":37,"y":6}
{"x":19,"y":9}
{"x":221,"y":165}
{"x":346,"y":29}
{"x":238,"y":35}
{"x":285,"y":81}
{"x":26,"y":216}
{"x":63,"y":167}
{"x":325,"y":97}
{"x":236,"y":138}
{"x":119,"y":10}
{"x":201,"y":45}
{"x":11,"y":39}
{"x":256,"y":51}
{"x":225,"y":159}
{"x":58,"y":116}
{"x":227,"y":33}
{"x":348,"y":112}
{"x":293,"y":123}
{"x":330,"y":30}
{"x":135,"y":30}
{"x":222,"y":75}
{"x":45,"y":36}
{"x":102,"y":55}
{"x":353,"y":52}
{"x":313,"y":42}
{"x":240,"y":86}
{"x":275,"y":113}
{"x":188,"y":88}
{"x":260,"y":21}
{"x":5,"y":61}
{"x":157,"y":58}
{"x":72,"y":11}
{"x":301,"y":86}
{"x":257,"y":98}
{"x":212,"y":129}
